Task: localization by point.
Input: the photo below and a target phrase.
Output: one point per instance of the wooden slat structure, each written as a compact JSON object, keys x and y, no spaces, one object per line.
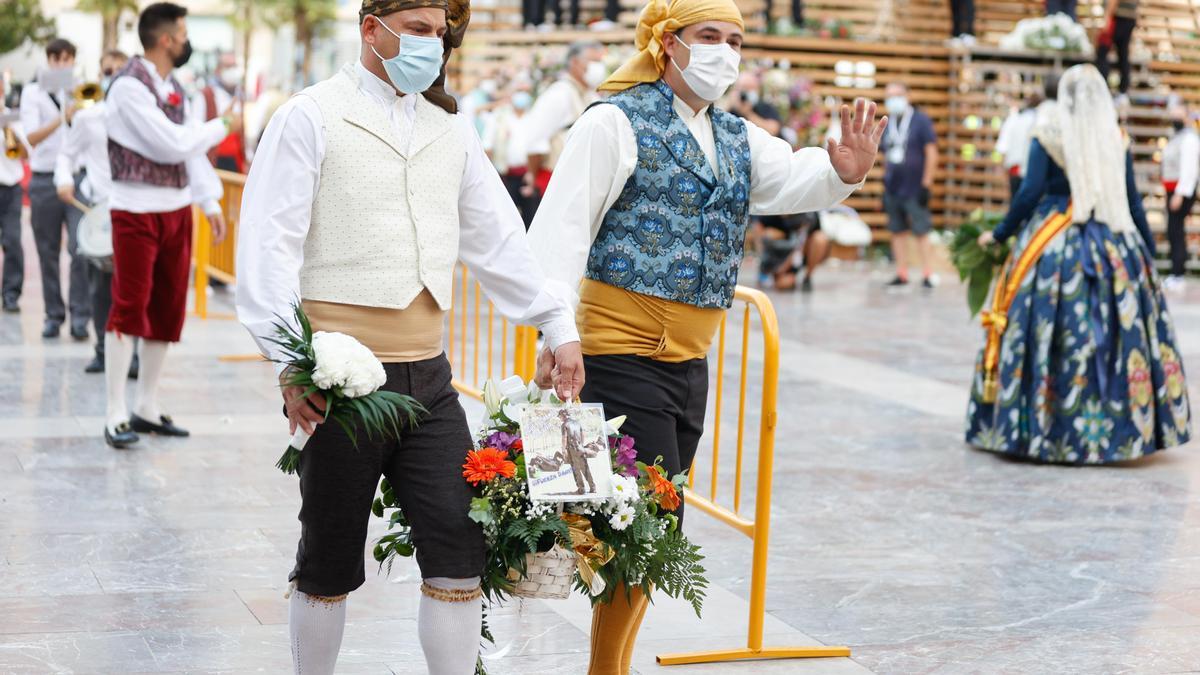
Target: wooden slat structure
{"x":967,"y":91}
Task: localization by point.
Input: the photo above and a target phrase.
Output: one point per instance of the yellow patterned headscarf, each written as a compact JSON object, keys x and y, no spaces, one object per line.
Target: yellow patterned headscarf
{"x":666,"y":16}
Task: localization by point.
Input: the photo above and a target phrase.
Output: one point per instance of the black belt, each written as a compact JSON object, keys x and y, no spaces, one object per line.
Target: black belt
{"x":43,"y":173}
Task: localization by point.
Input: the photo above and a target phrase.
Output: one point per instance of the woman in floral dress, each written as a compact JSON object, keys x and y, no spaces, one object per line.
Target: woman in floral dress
{"x":1088,"y":371}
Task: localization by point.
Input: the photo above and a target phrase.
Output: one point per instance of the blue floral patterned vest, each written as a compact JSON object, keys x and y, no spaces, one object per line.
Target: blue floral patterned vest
{"x":677,"y":231}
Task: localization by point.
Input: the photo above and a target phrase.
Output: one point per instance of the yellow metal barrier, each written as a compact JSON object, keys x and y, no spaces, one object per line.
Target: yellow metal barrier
{"x":471,"y":337}
{"x":217,"y":261}
{"x":479,"y":342}
{"x":758,"y":526}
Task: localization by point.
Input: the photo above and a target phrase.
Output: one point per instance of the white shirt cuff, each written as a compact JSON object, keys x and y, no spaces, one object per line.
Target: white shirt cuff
{"x":559,"y":332}
{"x":211,"y":207}
{"x":215,"y":132}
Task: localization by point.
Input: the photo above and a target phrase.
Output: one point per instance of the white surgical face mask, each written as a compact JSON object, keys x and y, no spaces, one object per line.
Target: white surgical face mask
{"x":230,"y":77}
{"x":596,"y":72}
{"x":896,"y":105}
{"x":416,"y":66}
{"x":711,"y":71}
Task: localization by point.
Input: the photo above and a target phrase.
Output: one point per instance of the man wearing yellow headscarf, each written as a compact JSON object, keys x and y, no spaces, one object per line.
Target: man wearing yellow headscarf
{"x":646,"y":216}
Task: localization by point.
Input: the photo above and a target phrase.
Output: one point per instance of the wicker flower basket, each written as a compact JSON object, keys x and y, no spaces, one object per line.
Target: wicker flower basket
{"x":548,"y":576}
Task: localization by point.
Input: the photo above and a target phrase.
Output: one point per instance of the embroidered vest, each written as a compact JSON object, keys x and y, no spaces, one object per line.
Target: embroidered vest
{"x":131,"y":167}
{"x":677,"y":230}
{"x":384,"y":221}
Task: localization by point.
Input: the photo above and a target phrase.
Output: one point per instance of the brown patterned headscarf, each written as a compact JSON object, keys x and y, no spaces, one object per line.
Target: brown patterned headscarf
{"x":458,"y":15}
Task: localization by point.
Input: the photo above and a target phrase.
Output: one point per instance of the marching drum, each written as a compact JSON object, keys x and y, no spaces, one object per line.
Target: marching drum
{"x":95,"y":236}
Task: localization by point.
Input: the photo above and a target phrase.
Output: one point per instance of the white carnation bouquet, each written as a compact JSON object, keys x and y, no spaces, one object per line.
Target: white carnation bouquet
{"x":348,"y":376}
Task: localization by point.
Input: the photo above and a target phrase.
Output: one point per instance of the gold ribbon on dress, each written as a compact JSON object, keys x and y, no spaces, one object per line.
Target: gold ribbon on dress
{"x":995,"y":321}
{"x":590,"y":553}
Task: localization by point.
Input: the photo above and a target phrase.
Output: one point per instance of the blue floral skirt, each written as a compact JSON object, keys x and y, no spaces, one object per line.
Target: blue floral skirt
{"x":1089,"y":369}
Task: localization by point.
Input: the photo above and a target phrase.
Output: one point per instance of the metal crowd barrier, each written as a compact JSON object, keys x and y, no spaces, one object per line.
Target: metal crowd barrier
{"x":478,"y":345}
{"x":757,"y":526}
{"x":217,"y":261}
{"x":481,"y":344}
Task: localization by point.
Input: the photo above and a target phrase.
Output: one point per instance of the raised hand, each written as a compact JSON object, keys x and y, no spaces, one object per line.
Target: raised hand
{"x":853,"y":157}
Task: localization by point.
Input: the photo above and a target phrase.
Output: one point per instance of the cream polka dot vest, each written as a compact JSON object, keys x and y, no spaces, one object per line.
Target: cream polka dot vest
{"x":385,"y":218}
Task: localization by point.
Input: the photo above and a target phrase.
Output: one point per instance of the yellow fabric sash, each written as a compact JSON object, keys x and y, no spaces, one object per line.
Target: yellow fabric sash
{"x":1011,"y":276}
{"x":590,"y":553}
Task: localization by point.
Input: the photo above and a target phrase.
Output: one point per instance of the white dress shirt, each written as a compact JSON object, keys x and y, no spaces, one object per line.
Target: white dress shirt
{"x":85,"y":146}
{"x":277,"y":207}
{"x":11,"y":170}
{"x":134,"y":120}
{"x":223,"y":99}
{"x":1181,"y":161}
{"x":1016,"y":134}
{"x":38,"y":110}
{"x":504,"y":136}
{"x":554,"y":111}
{"x":601,"y":154}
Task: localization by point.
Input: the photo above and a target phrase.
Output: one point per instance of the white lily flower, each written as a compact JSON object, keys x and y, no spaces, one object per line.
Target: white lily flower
{"x":512,"y":388}
{"x":611,"y":427}
{"x":491,"y":397}
{"x":534,"y":393}
{"x":513,"y":410}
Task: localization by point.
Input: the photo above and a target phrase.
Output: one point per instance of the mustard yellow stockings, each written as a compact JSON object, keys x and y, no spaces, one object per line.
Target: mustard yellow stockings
{"x":614,"y":632}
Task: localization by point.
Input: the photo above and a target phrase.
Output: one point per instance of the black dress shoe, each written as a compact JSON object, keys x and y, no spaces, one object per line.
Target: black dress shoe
{"x":79,"y":332}
{"x":165,"y":427}
{"x":123,"y":438}
{"x":11,"y":306}
{"x":51,"y":329}
{"x":134,"y":367}
{"x":96,"y":366}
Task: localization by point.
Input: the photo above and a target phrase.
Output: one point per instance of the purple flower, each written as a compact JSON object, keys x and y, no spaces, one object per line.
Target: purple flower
{"x":626,"y":455}
{"x":501,"y":441}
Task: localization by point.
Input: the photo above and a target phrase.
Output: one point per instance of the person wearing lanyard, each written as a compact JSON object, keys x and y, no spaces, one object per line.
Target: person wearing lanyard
{"x":45,"y":114}
{"x":1180,"y":173}
{"x":910,"y":145}
{"x":647,"y":216}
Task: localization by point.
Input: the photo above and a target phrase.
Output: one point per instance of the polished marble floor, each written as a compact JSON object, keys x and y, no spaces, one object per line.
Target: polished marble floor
{"x":888,"y":535}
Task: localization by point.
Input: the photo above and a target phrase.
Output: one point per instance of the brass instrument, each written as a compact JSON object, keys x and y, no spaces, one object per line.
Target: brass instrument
{"x":87,"y":94}
{"x":13,"y":147}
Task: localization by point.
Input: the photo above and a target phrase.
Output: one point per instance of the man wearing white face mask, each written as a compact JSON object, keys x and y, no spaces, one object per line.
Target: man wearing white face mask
{"x":366,"y":190}
{"x":649,"y":209}
{"x":504,"y":140}
{"x":556,"y":110}
{"x":223,"y":96}
{"x":910,"y":146}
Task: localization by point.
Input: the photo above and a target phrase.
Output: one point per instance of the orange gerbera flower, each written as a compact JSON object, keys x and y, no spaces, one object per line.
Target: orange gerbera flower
{"x":483,"y":466}
{"x":668,"y":495}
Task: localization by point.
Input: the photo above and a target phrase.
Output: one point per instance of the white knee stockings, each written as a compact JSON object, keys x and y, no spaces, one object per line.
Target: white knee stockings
{"x":449,"y":622}
{"x":316,"y":625}
{"x":118,"y":355}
